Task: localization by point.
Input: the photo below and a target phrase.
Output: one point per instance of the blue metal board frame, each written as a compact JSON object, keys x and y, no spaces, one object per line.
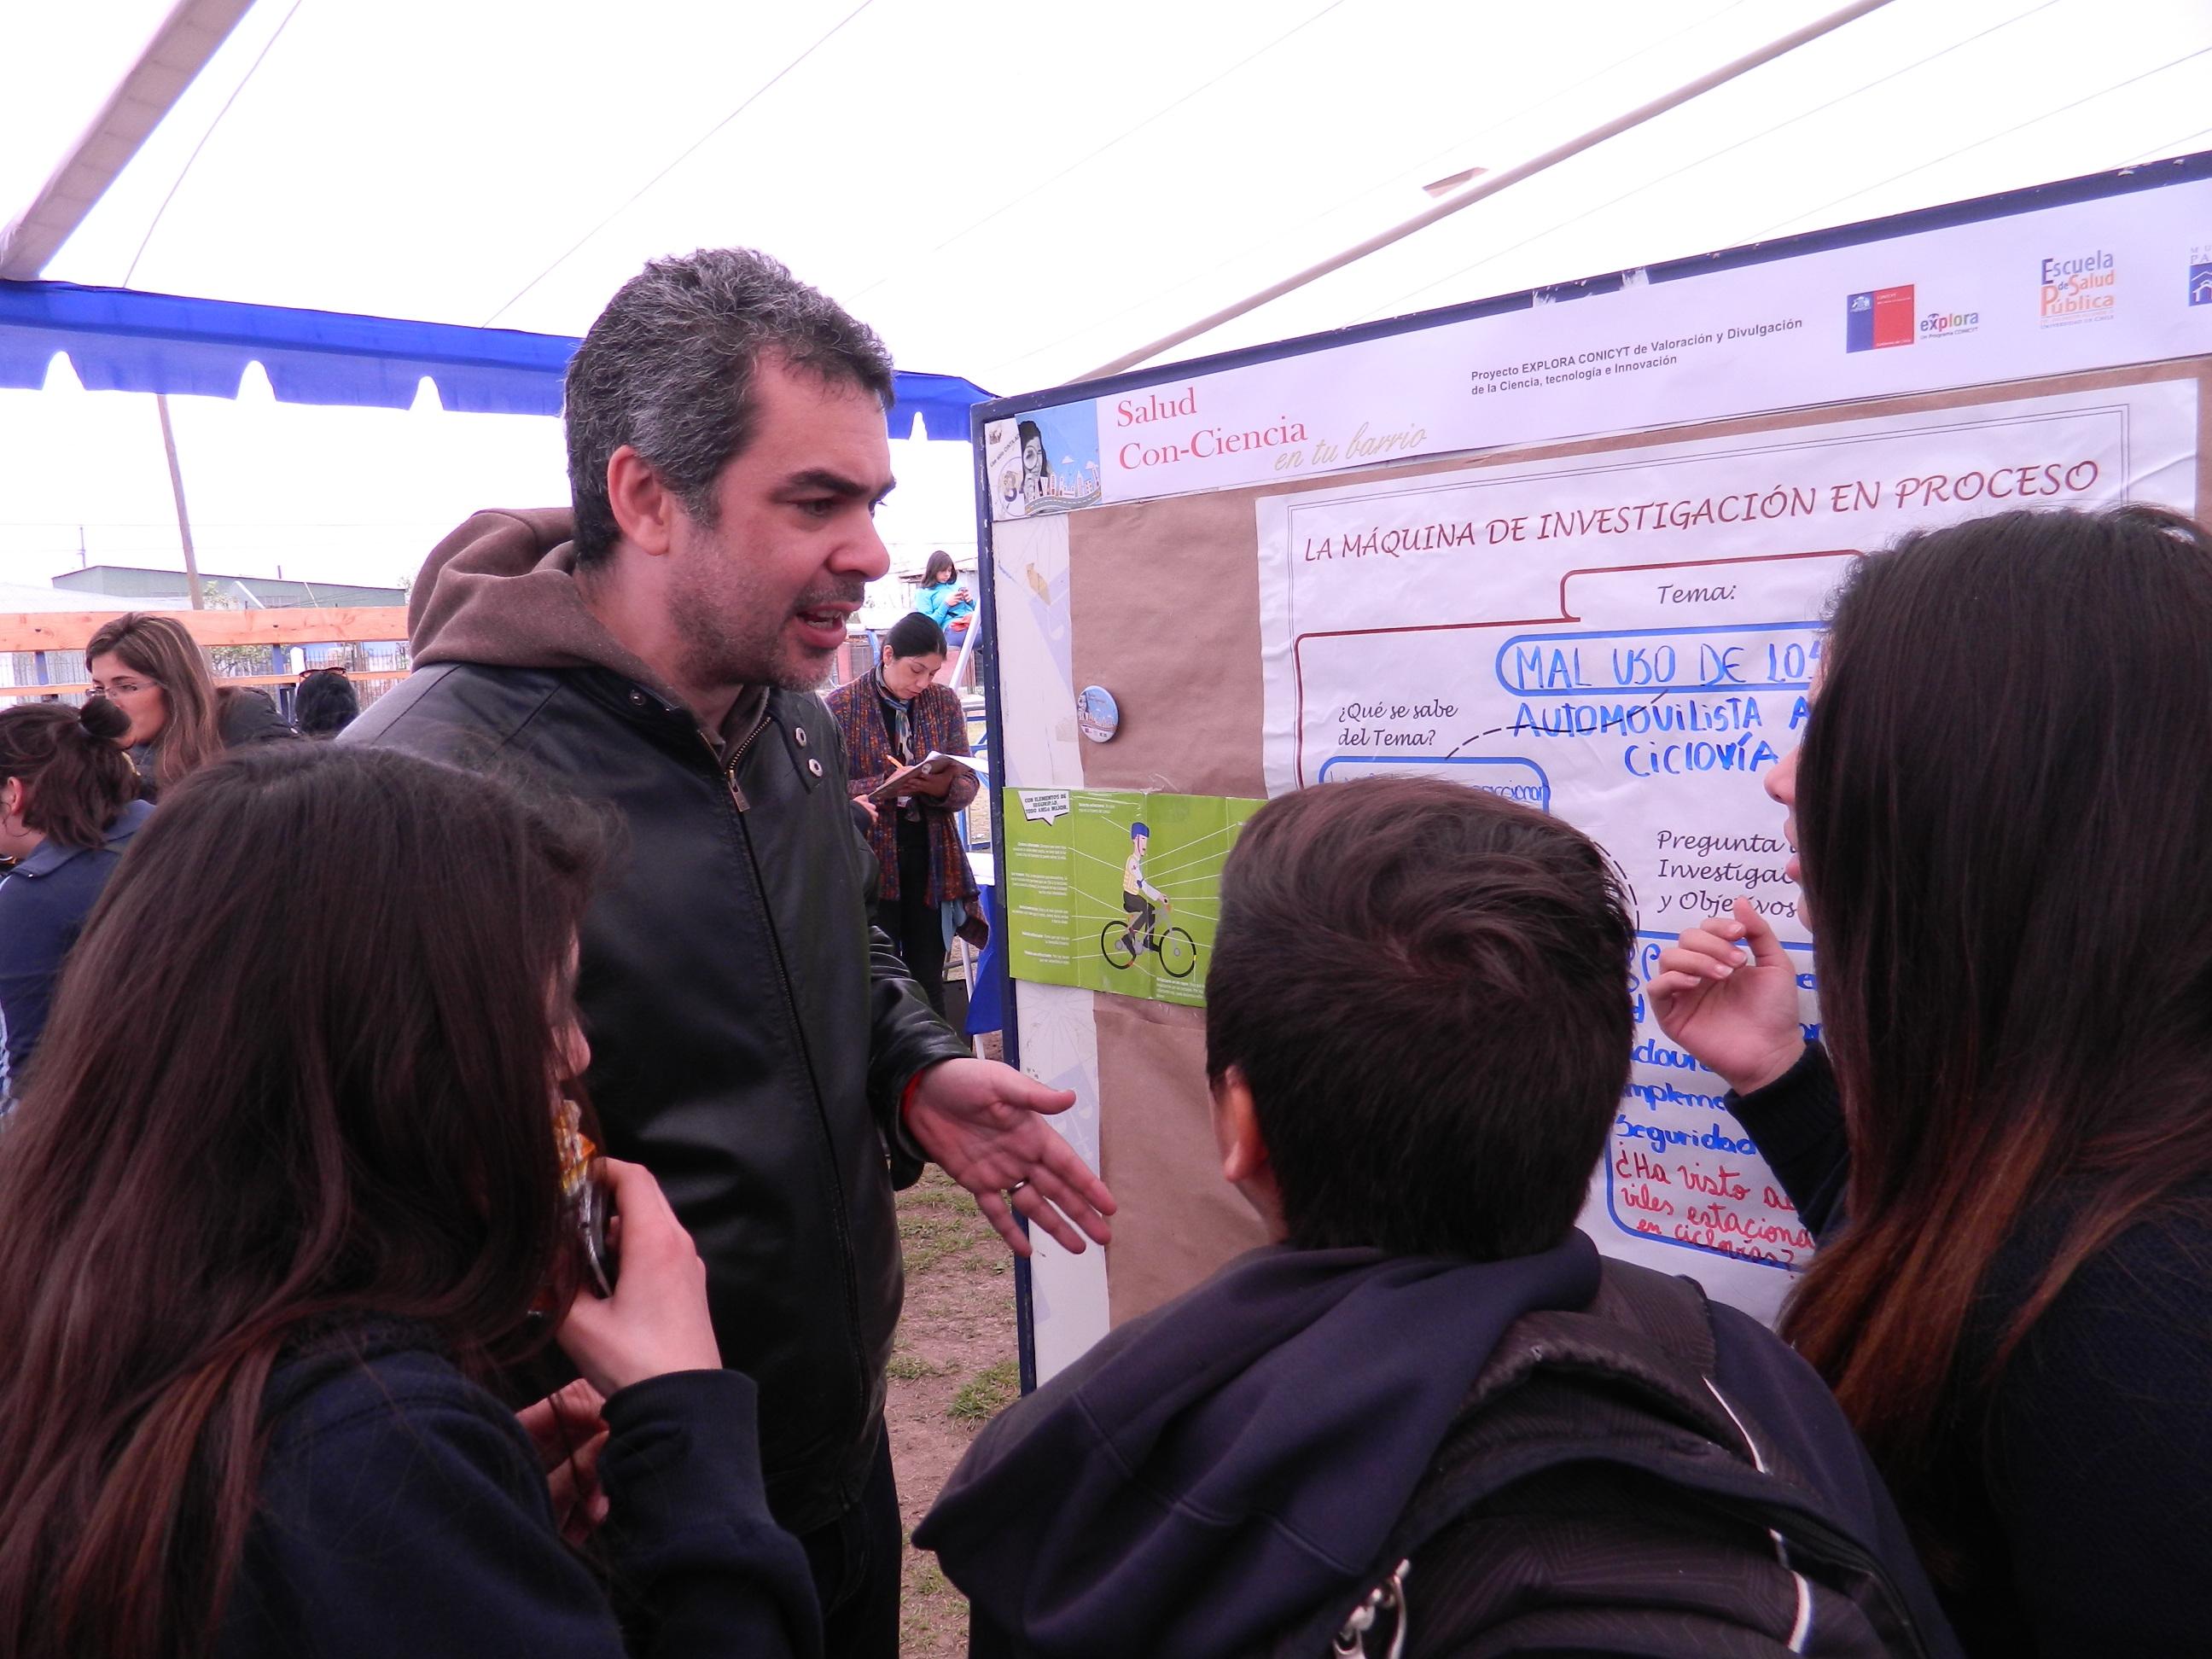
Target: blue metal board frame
{"x":2125,"y":181}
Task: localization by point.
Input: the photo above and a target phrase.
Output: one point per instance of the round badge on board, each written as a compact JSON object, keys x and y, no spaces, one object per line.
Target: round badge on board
{"x":1097,"y":716}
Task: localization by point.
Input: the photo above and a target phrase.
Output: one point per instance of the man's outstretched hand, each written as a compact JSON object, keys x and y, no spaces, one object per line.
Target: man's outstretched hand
{"x":979,"y":1120}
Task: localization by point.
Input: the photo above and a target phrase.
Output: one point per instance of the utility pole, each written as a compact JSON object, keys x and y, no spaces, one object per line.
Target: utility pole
{"x":177,"y":488}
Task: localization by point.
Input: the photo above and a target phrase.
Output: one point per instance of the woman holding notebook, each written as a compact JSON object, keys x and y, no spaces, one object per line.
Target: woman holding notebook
{"x":893,"y":718}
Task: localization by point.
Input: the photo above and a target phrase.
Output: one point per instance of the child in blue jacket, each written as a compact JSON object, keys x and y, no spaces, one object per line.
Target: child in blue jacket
{"x":69,"y":805}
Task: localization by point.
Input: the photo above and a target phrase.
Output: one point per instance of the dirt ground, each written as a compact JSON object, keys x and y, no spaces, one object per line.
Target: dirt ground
{"x":954,"y":1366}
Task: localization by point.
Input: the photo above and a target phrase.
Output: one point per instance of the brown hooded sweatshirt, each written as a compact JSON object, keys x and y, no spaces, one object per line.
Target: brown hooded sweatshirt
{"x":503,"y":590}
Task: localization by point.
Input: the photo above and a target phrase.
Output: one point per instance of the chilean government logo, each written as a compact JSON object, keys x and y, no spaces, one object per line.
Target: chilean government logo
{"x":1880,"y":317}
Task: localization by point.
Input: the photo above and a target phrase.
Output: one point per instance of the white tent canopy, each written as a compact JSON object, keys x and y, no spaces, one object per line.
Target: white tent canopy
{"x":1018,"y":195}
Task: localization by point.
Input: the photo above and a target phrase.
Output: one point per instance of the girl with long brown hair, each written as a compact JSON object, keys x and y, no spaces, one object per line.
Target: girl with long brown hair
{"x":284,"y":1190}
{"x":68,"y":806}
{"x":150,"y":667}
{"x":2003,"y":1140}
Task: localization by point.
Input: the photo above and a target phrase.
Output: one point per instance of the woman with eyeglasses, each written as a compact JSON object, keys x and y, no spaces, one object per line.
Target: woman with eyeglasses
{"x":151,"y":668}
{"x":69,"y":805}
{"x":292,"y":1181}
{"x":2003,"y":1139}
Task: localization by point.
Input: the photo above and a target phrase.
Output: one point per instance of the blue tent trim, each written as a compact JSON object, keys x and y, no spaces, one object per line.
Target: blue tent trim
{"x":120,"y":340}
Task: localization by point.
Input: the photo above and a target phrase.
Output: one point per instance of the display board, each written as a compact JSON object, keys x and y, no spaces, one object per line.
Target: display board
{"x":1574,"y":548}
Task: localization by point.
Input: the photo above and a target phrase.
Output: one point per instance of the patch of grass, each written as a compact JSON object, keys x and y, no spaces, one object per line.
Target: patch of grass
{"x":912,"y":1368}
{"x":920,"y":1261}
{"x":936,"y":1198}
{"x":926,"y":1577}
{"x":930,"y":1236}
{"x":932,"y":1615}
{"x":986,"y":1393}
{"x":938,"y":1219}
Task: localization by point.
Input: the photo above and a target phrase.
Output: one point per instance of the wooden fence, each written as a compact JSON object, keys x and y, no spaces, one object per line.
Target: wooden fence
{"x":39,"y":632}
{"x":63,"y":632}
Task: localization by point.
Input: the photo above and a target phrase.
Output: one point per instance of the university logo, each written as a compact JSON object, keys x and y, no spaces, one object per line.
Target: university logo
{"x":1880,"y":317}
{"x":2200,"y":276}
{"x":2082,"y":288}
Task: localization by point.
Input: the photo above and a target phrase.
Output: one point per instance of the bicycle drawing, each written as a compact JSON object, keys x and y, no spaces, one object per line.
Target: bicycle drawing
{"x":1116,"y":891}
{"x":1122,"y":942}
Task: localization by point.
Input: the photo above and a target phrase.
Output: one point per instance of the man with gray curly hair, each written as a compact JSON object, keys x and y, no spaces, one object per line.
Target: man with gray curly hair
{"x":755,"y":1042}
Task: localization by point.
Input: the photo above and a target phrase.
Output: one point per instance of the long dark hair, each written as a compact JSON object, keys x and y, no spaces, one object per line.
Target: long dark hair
{"x":2004,"y":802}
{"x":255,"y":1110}
{"x":74,"y":778}
{"x":162,"y":649}
{"x":939,"y":568}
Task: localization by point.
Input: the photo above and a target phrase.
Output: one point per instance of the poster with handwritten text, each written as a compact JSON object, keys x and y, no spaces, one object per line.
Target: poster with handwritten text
{"x":1627,"y":638}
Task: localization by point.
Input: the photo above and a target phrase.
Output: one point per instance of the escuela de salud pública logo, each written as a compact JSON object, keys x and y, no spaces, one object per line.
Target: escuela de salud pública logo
{"x":2200,"y":276}
{"x":1883,"y":317}
{"x":2078,"y":288}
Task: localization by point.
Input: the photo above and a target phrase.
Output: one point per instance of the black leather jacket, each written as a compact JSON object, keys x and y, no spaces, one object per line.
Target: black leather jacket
{"x":751,"y":1034}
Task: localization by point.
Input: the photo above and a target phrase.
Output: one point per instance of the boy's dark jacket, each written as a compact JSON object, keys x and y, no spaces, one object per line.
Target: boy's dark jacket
{"x":1214,"y":1470}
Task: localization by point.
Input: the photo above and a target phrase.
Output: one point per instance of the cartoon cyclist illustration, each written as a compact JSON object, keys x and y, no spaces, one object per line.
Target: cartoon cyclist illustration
{"x":1138,"y":895}
{"x":1143,"y":928}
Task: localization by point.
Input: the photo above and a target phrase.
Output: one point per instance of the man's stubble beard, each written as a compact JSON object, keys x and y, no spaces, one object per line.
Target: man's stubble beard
{"x":730,"y":639}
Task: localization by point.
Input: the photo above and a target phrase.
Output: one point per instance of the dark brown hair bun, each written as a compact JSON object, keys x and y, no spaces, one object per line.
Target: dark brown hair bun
{"x":103,"y":720}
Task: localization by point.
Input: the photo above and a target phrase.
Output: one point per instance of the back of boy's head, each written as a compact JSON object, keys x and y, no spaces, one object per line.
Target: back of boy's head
{"x":1426,"y":989}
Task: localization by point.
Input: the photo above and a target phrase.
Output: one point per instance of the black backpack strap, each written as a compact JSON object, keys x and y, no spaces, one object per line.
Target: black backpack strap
{"x":1614,"y":1406}
{"x":1647,"y":1334}
{"x":1644,"y":1346}
{"x":1667,"y":1309}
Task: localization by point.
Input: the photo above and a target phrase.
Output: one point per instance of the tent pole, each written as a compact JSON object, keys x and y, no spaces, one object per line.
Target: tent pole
{"x":177,"y":488}
{"x":180,"y":48}
{"x":1491,"y":185}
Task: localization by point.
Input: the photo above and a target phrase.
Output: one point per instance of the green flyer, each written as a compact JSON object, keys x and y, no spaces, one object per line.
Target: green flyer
{"x":1116,"y":891}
